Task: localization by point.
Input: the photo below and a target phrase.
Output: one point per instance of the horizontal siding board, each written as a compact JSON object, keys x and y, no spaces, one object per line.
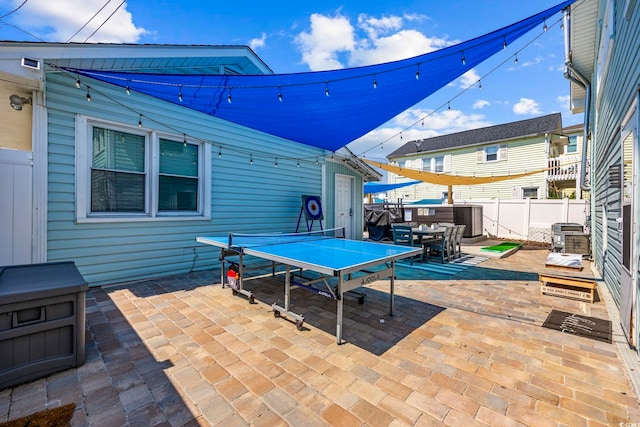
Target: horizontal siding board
{"x":251,"y":198}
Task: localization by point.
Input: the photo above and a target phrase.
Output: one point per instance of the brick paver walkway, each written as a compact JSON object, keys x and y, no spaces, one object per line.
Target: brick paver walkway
{"x":461,"y":350}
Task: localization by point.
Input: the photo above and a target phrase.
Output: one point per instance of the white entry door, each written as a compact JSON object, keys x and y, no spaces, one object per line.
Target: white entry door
{"x":16,"y":207}
{"x":344,"y":204}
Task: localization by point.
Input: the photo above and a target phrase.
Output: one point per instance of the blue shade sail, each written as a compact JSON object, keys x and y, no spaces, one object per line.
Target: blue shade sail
{"x":376,"y":187}
{"x":325,"y":109}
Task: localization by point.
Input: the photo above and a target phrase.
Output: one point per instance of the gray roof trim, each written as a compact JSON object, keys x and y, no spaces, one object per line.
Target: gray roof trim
{"x":483,"y":136}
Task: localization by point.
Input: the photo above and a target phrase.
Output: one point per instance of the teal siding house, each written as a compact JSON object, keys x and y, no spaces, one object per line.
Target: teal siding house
{"x":603,"y":67}
{"x":122,"y":183}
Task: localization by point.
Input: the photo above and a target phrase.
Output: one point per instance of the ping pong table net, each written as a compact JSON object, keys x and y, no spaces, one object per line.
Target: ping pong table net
{"x":266,"y":239}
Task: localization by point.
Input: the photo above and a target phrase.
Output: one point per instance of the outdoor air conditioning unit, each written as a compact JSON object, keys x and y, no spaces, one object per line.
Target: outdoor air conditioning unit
{"x":569,"y":238}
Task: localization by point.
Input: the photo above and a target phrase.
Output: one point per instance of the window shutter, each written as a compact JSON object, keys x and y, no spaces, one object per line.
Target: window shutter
{"x":502,"y":152}
{"x":480,"y":155}
{"x":447,"y":163}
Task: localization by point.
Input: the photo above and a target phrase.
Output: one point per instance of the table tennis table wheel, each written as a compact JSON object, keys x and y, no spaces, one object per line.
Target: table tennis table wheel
{"x":276,"y":313}
{"x":299,"y":324}
{"x":252,"y":300}
{"x":361,"y":299}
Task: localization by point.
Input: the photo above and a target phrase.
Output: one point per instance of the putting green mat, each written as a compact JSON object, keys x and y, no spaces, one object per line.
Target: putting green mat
{"x":502,"y":247}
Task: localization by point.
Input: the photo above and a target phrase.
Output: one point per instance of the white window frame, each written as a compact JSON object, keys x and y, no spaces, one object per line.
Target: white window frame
{"x":482,"y":154}
{"x":83,"y":147}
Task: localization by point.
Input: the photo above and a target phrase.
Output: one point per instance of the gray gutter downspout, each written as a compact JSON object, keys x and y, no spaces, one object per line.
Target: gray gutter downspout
{"x":573,"y":75}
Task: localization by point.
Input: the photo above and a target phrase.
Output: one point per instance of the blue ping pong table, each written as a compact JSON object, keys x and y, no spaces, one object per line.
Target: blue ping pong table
{"x":348,"y":261}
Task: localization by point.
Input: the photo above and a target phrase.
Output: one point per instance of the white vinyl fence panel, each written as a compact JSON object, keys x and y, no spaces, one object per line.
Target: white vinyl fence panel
{"x":528,"y":219}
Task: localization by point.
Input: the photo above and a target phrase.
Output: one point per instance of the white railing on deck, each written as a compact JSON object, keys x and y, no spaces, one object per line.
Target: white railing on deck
{"x":563,"y":168}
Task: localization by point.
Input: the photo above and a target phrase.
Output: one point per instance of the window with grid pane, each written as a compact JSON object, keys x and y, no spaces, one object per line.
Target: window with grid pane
{"x":118,"y":172}
{"x":178,"y":176}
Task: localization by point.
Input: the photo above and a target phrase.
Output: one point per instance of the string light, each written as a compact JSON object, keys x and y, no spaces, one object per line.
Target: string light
{"x":78,"y":82}
{"x":280,"y":93}
{"x":219,"y":152}
{"x":128,"y":89}
{"x":229,"y":96}
{"x":418,"y":73}
{"x":464,"y":60}
{"x":515,"y":61}
{"x":184,"y":139}
{"x":375,"y":83}
{"x":504,"y":42}
{"x":88,"y":94}
{"x":448,"y":105}
{"x":140,"y":121}
{"x":180,"y":94}
{"x":544,"y":26}
{"x":317,"y":161}
{"x":479,"y":84}
{"x":250,"y":159}
{"x":298,"y":164}
{"x":326,"y":88}
{"x":276,"y":163}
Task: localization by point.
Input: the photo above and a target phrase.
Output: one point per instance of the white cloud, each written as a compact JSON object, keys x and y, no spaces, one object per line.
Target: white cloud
{"x":328,"y":37}
{"x":334,"y":42}
{"x":526,"y":106}
{"x":408,"y":126}
{"x":479,"y":104}
{"x":258,"y":43}
{"x":51,"y":21}
{"x":564,"y":102}
{"x":469,"y":79}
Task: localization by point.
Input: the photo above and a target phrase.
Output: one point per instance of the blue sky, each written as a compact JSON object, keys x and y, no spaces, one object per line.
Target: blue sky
{"x":313,"y":36}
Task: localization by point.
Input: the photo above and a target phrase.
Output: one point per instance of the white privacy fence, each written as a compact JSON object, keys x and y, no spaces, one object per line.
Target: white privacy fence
{"x":528,"y":219}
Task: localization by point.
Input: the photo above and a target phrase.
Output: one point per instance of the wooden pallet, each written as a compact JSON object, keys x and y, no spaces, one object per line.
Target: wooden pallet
{"x":581,"y":288}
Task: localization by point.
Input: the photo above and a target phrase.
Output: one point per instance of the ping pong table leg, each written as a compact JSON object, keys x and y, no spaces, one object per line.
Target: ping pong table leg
{"x":392,"y":286}
{"x":339,"y":314}
{"x":287,"y":288}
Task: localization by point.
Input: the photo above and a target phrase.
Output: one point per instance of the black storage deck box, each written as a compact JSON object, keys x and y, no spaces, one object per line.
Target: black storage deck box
{"x":42,"y":320}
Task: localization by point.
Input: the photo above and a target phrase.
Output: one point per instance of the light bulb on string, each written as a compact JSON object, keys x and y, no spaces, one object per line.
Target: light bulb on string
{"x":88,"y":94}
{"x":229,"y":96}
{"x":317,"y":161}
{"x":250,"y":159}
{"x":448,"y":105}
{"x":418,"y":73}
{"x":180,"y":94}
{"x":515,"y":61}
{"x":326,"y":88}
{"x":375,"y":83}
{"x":544,"y":26}
{"x":276,"y":163}
{"x":279,"y":94}
{"x":78,"y":82}
{"x":298,"y":164}
{"x":184,"y":140}
{"x":464,"y":60}
{"x":140,"y":121}
{"x":219,"y":152}
{"x":504,"y":42}
{"x":127,"y":89}
{"x":479,"y":84}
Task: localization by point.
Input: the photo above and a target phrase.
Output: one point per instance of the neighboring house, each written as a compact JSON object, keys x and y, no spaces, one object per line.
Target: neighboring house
{"x":122,"y":185}
{"x":536,"y":144}
{"x":603,"y":67}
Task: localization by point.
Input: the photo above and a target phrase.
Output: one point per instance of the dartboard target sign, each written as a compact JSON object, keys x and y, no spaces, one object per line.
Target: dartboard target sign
{"x":312,"y":208}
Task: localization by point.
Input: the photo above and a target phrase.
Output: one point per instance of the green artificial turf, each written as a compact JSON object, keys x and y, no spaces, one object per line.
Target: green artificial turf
{"x":502,"y":247}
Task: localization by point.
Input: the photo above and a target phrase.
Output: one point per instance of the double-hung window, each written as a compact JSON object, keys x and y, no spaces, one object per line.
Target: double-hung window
{"x":492,"y":153}
{"x":434,"y":164}
{"x":125,"y":173}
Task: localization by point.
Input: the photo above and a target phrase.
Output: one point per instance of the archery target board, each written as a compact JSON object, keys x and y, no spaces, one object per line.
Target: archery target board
{"x":312,"y":208}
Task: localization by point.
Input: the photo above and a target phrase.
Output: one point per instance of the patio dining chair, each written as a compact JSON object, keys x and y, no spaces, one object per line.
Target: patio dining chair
{"x":403,"y":235}
{"x":441,"y":248}
{"x":456,"y":241}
